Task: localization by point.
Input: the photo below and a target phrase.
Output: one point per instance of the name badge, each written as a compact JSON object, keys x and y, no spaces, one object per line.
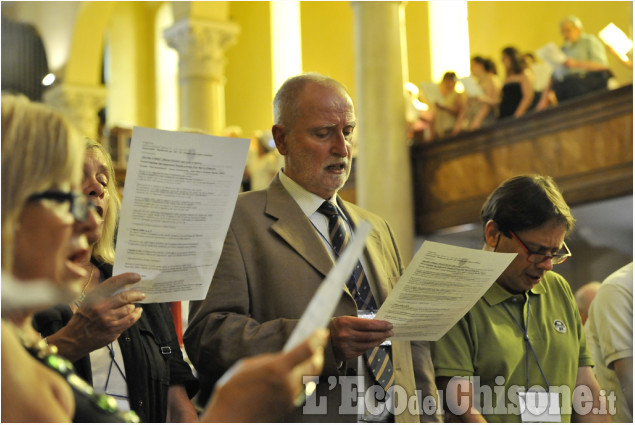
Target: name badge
{"x":539,"y":406}
{"x":370,"y":314}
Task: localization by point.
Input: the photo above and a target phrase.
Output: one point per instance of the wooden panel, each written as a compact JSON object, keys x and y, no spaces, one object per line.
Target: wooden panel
{"x":586,"y":145}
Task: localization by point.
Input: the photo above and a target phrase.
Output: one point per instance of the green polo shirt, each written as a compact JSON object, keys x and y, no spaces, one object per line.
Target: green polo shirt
{"x":488,"y":346}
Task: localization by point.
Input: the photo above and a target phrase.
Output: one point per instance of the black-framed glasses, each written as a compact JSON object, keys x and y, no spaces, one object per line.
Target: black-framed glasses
{"x":80,"y":204}
{"x":538,"y":257}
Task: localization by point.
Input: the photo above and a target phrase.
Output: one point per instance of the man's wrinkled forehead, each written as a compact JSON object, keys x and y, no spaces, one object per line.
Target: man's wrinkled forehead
{"x":327,"y":99}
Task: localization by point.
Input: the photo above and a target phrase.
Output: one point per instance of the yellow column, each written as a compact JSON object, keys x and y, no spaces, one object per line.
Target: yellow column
{"x":383,"y":180}
{"x":201,"y":45}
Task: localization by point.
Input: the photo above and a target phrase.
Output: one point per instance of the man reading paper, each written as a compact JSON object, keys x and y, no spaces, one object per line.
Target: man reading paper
{"x":520,"y":353}
{"x":282,"y":242}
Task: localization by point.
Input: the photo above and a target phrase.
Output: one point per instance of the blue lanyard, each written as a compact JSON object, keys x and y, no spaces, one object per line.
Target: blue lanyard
{"x":528,"y":346}
{"x":114,"y":362}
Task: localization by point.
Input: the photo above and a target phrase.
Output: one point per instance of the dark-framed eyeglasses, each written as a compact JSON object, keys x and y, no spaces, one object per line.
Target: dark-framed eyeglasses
{"x":538,"y":257}
{"x":79,"y":203}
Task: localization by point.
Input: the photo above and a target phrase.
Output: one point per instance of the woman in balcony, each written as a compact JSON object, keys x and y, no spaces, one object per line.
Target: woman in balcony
{"x":483,"y":108}
{"x":518,"y":91}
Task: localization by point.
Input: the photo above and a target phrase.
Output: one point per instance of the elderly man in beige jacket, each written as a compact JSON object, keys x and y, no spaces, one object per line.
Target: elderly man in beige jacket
{"x":279,"y":248}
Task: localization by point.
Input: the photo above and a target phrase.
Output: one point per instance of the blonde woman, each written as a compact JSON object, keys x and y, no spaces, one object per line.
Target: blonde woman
{"x":125,"y":350}
{"x":131,"y":352}
{"x":45,"y":219}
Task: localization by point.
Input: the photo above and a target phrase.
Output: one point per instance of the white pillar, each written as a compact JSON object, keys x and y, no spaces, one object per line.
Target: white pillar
{"x":201,"y":45}
{"x":383,"y":180}
{"x":80,"y":105}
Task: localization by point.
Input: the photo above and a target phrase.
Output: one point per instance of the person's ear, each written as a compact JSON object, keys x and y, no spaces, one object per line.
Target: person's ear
{"x":279,"y":137}
{"x":492,"y":234}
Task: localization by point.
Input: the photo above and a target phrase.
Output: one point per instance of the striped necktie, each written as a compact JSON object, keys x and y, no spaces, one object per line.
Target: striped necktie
{"x":377,"y":358}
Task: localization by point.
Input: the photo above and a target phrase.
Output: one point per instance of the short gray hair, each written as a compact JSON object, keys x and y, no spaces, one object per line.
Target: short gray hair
{"x":285,"y":105}
{"x":574,"y":20}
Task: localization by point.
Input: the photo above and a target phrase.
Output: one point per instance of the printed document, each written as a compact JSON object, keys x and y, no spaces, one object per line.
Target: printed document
{"x":440,"y":285}
{"x":178,"y":200}
{"x":551,"y":54}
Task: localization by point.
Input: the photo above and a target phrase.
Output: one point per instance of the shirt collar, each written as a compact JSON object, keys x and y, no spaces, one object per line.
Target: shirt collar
{"x":307,"y":201}
{"x":496,"y":294}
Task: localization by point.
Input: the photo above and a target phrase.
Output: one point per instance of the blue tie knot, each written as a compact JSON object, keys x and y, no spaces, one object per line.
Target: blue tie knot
{"x":328,"y":209}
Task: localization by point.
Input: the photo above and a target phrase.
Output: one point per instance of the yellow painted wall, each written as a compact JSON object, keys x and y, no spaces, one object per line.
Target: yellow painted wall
{"x":214,"y":10}
{"x":494,"y":25}
{"x":418,"y":40}
{"x":326,"y":48}
{"x":327,"y":40}
{"x":87,"y":48}
{"x":248,"y":90}
{"x":131,"y":88}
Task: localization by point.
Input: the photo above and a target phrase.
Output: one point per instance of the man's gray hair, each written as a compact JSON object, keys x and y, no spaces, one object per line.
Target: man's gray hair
{"x":574,"y":20}
{"x":285,"y":105}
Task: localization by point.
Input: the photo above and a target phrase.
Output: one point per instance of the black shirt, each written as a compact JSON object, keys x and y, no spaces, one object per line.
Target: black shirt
{"x":151,"y":353}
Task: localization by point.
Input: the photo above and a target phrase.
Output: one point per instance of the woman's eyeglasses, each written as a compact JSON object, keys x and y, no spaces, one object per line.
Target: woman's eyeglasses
{"x":80,"y":204}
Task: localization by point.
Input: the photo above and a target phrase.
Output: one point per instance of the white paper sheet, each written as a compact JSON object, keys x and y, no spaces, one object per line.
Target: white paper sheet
{"x":615,"y":38}
{"x":431,"y":93}
{"x":439,"y":286}
{"x":179,"y":197}
{"x":472,"y":87}
{"x":320,"y":310}
{"x":551,"y":54}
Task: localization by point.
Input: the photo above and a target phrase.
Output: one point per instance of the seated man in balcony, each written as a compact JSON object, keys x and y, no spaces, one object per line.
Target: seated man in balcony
{"x":586,"y":67}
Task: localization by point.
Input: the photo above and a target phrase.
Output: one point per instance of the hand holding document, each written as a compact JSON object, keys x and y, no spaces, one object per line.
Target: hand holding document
{"x":320,"y":310}
{"x":438,"y":288}
{"x":551,"y":54}
{"x":179,"y":197}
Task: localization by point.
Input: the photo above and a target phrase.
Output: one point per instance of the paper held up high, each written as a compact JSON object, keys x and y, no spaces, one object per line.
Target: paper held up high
{"x":179,"y":197}
{"x":440,"y":285}
{"x":615,"y":38}
{"x":551,"y":54}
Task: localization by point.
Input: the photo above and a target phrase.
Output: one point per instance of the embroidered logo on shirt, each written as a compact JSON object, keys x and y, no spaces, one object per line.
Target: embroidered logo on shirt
{"x":559,"y":326}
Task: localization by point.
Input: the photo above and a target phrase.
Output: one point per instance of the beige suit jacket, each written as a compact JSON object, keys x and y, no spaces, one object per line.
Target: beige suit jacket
{"x":272,"y":263}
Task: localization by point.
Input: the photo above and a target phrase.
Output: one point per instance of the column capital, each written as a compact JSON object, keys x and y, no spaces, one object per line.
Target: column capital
{"x":79,"y":104}
{"x":201,"y":45}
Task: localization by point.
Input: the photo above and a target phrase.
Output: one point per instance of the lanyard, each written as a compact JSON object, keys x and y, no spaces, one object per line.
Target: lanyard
{"x":528,"y":346}
{"x":114,"y":362}
{"x":348,"y":225}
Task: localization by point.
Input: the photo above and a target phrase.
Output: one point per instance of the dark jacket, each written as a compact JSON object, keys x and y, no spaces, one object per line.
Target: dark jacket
{"x":150,"y":348}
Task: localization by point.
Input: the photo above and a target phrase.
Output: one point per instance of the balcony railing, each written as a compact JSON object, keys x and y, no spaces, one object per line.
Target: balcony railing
{"x":585,"y":144}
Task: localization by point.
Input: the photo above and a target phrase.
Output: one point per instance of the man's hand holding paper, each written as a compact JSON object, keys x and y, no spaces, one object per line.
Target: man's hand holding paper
{"x":353,"y":336}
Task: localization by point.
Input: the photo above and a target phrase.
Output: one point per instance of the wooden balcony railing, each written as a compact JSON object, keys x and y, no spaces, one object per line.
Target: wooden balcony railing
{"x":585,"y":144}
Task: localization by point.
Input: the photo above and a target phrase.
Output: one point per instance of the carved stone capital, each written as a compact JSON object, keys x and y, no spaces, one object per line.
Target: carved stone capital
{"x":201,"y":46}
{"x":80,"y":105}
